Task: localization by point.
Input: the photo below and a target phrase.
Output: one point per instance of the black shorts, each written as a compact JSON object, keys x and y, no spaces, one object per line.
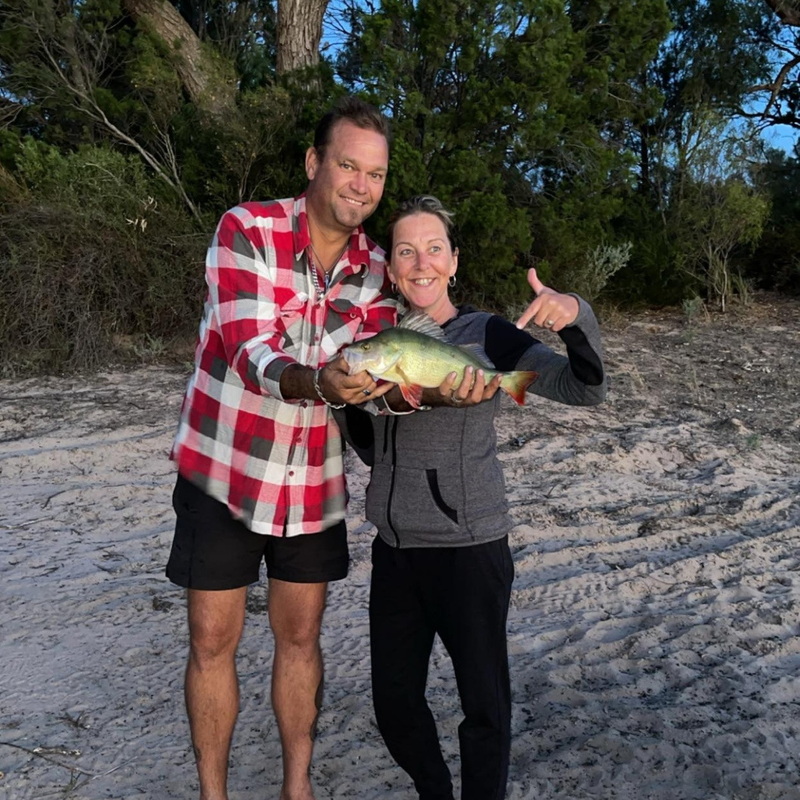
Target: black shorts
{"x":212,"y":550}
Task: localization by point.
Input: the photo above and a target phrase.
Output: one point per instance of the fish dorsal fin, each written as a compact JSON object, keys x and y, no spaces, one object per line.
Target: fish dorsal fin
{"x":421,"y":322}
{"x":476,"y":351}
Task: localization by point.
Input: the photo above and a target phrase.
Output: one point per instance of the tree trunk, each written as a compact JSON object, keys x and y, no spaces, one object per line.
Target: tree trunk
{"x":299,"y":33}
{"x":788,"y":11}
{"x":204,"y":82}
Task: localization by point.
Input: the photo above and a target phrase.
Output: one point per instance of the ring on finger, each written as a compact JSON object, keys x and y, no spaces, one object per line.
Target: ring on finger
{"x":550,"y":323}
{"x":367,"y":392}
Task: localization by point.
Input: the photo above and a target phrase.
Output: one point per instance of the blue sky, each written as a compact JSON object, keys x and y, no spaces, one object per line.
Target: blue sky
{"x":782,"y":137}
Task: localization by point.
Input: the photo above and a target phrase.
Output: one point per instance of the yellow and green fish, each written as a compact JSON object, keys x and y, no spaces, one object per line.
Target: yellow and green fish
{"x":417,"y":355}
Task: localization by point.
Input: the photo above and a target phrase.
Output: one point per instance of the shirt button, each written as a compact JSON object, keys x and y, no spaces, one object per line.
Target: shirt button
{"x":291,"y":473}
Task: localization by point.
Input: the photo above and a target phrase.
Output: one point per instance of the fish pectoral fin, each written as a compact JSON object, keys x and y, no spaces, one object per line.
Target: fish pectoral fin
{"x":412,"y":394}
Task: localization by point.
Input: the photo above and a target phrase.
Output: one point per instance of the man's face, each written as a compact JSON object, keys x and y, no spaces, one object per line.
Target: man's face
{"x":345,"y":181}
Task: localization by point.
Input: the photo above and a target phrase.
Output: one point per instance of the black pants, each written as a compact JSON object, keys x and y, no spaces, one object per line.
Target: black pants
{"x":462,"y":594}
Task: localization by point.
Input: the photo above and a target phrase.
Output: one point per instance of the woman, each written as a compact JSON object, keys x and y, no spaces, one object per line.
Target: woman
{"x":441,"y":560}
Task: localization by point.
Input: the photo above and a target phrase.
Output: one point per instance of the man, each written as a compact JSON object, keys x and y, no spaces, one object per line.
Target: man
{"x":259,"y":456}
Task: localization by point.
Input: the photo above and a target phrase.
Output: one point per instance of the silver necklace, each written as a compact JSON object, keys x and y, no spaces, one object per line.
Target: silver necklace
{"x":327,"y":275}
{"x":315,"y":280}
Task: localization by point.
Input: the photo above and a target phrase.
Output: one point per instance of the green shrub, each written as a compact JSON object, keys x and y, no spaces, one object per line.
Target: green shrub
{"x":92,"y":255}
{"x":601,"y":263}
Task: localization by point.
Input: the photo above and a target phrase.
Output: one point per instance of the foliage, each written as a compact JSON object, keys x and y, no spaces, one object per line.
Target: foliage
{"x":712,"y":213}
{"x":591,"y":140}
{"x":514,"y":115}
{"x":91,"y":251}
{"x":243,"y":32}
{"x":600,"y":265}
{"x":650,"y":277}
{"x":702,"y":72}
{"x":775,"y":100}
{"x":718,"y":218}
{"x":776,"y":261}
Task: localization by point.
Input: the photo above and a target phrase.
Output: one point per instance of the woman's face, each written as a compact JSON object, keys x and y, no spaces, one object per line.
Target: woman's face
{"x":421,"y":263}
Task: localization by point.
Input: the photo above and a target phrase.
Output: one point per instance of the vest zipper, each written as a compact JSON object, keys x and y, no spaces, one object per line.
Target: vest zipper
{"x":393,"y":424}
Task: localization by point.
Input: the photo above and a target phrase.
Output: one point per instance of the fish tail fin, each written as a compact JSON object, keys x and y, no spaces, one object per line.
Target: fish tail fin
{"x":515,"y":383}
{"x":412,"y":394}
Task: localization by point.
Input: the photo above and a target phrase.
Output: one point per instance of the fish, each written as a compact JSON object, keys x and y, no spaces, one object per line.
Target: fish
{"x":416,"y":355}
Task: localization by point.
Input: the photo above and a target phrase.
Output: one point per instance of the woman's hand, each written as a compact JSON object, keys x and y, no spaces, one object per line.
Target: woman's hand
{"x":550,"y":309}
{"x":471,"y":390}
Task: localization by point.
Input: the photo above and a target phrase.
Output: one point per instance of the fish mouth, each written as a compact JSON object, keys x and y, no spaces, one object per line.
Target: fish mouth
{"x":361,"y":366}
{"x":353,"y":363}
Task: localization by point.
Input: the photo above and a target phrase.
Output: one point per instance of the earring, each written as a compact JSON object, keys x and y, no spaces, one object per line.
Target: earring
{"x":394,"y":288}
{"x":452,"y":282}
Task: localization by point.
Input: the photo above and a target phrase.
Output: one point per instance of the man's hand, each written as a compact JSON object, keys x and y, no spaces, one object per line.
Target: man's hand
{"x":550,"y":309}
{"x":338,"y":386}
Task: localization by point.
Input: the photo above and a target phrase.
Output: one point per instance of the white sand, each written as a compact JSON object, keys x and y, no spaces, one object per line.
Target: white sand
{"x":653,"y":631}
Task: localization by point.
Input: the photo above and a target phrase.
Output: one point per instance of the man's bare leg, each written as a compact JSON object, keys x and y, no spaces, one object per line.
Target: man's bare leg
{"x":295,"y":614}
{"x":216,"y":620}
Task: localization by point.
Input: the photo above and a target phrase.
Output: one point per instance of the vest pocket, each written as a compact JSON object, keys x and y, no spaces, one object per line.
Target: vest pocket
{"x":433,"y":485}
{"x":421,"y":505}
{"x":378,"y":492}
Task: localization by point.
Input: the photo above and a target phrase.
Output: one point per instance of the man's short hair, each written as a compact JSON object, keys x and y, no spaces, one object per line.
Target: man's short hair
{"x":354,"y":110}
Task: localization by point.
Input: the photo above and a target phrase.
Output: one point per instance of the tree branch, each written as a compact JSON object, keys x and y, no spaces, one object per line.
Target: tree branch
{"x":90,"y":107}
{"x":776,"y":85}
{"x":788,"y":13}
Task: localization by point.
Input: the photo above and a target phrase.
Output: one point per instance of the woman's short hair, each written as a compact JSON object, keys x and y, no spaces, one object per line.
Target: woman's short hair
{"x":421,"y":204}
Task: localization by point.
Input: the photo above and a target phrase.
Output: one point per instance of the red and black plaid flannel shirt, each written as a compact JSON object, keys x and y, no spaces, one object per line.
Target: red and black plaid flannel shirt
{"x":276,"y":463}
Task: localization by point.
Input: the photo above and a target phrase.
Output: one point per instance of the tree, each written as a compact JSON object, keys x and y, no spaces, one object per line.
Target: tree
{"x":707,"y":64}
{"x":57,"y":62}
{"x":716,"y":210}
{"x":703,"y":71}
{"x":208,"y":81}
{"x":88,"y":72}
{"x":777,"y":99}
{"x":299,"y":34}
{"x":513,"y":114}
{"x":719,"y":218}
{"x":775,"y":264}
{"x":295,"y":38}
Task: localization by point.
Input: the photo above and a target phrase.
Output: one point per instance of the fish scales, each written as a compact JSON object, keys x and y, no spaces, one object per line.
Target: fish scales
{"x":417,"y":355}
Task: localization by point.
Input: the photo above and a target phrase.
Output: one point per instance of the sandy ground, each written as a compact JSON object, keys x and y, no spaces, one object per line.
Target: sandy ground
{"x":654,"y":624}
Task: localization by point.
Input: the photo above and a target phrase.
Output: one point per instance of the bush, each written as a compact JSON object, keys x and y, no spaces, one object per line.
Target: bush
{"x":92,"y":255}
{"x":600,"y":265}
